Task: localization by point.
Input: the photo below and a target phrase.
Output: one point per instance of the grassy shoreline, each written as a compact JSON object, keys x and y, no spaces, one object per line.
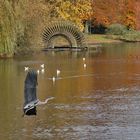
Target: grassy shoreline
{"x":99,"y":39}
{"x":93,"y":39}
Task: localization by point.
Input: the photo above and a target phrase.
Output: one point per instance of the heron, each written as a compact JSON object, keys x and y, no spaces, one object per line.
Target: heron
{"x":30,"y":94}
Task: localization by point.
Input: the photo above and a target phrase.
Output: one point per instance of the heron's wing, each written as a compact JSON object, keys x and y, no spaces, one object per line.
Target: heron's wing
{"x":30,"y":96}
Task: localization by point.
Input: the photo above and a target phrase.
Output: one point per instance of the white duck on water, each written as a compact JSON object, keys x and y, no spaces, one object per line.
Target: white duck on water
{"x":42,"y":66}
{"x":57,"y":72}
{"x":26,"y":68}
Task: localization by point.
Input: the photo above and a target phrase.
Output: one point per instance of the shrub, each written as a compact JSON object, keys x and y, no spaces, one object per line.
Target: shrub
{"x":116,"y":29}
{"x":131,"y":36}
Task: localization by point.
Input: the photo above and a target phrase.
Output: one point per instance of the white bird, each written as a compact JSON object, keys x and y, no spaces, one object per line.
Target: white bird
{"x":38,"y":71}
{"x":26,"y":68}
{"x":42,"y":66}
{"x":53,"y":79}
{"x":42,"y":70}
{"x":84,"y":58}
{"x":58,"y":72}
{"x":85,"y":66}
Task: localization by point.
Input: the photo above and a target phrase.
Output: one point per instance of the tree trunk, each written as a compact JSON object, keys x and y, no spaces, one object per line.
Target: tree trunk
{"x":86,"y":27}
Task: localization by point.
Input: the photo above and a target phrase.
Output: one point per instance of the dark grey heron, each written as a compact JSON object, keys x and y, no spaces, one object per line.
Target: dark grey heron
{"x":30,"y":94}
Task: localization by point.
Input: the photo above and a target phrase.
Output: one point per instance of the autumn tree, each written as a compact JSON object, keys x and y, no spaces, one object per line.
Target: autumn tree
{"x":38,"y":15}
{"x":129,"y":15}
{"x":21,"y":24}
{"x":11,"y":25}
{"x":117,"y":11}
{"x":137,"y":11}
{"x":106,"y":12}
{"x":72,"y":10}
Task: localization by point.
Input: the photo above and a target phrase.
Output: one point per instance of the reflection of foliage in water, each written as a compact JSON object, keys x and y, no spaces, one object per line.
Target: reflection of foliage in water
{"x":9,"y":79}
{"x":9,"y":91}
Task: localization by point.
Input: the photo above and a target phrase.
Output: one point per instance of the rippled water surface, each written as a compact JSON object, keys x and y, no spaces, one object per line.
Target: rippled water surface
{"x":98,"y":102}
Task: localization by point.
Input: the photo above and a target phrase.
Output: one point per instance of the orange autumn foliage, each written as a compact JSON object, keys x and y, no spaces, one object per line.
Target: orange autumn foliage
{"x":129,"y":17}
{"x":107,"y":12}
{"x":137,"y":12}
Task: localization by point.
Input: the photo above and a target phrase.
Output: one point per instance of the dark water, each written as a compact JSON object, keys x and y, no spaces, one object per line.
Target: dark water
{"x":98,"y":102}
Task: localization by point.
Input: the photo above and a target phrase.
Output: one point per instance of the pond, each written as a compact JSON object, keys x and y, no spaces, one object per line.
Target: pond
{"x":95,"y":99}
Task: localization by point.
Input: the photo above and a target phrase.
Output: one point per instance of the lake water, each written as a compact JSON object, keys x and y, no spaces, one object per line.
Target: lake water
{"x":98,"y":102}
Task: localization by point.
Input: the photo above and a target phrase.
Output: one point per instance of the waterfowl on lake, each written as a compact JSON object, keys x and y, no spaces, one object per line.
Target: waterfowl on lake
{"x":30,"y":94}
{"x":42,"y":71}
{"x":84,"y":58}
{"x":53,"y":79}
{"x":42,"y":66}
{"x":38,"y":71}
{"x":85,"y":65}
{"x":58,"y":72}
{"x":26,"y":68}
